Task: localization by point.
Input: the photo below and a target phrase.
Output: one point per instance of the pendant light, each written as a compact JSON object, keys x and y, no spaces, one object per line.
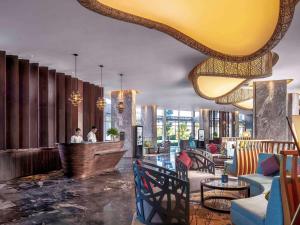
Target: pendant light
{"x":75,"y":97}
{"x":101,"y":101}
{"x":121,"y":105}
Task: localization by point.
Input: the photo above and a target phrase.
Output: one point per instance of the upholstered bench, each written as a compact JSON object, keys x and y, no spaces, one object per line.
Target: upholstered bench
{"x":257,"y":210}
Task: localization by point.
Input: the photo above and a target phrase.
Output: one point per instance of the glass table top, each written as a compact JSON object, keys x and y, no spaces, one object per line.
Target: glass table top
{"x":232,"y":183}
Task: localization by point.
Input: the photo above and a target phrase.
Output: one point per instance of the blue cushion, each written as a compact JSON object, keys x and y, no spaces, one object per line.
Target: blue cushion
{"x":249,"y":211}
{"x":258,"y":183}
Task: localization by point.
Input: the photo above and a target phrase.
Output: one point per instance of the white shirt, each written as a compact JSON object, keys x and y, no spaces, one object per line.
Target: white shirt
{"x":91,"y":137}
{"x":76,"y":139}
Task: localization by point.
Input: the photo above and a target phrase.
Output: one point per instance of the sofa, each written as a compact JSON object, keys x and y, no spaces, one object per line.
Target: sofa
{"x":256,"y":210}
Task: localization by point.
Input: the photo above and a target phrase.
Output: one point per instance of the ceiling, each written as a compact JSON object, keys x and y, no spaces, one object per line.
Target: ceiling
{"x":49,"y":31}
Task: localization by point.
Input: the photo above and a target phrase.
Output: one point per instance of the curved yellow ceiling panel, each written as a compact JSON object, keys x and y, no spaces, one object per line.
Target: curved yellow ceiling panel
{"x":211,"y":87}
{"x":246,"y":105}
{"x":231,"y":29}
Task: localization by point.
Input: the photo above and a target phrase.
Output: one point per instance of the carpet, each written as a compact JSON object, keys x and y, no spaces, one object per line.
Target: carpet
{"x":203,"y":216}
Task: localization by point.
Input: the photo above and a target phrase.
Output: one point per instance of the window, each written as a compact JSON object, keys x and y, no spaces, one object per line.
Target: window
{"x":242,"y":124}
{"x":138,"y":114}
{"x":107,"y":120}
{"x":214,"y":124}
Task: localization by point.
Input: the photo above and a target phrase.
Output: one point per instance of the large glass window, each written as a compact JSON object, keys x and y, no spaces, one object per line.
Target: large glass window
{"x":242,"y":124}
{"x":214,"y":124}
{"x":107,"y":119}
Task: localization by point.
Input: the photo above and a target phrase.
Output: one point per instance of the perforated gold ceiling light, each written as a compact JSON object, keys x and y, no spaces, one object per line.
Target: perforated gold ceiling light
{"x":101,"y":100}
{"x":75,"y":97}
{"x":215,"y":78}
{"x":248,"y":29}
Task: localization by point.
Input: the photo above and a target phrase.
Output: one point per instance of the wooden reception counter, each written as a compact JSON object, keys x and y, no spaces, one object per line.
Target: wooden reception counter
{"x":88,"y":159}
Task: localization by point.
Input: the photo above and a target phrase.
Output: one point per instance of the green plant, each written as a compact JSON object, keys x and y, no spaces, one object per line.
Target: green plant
{"x":113,"y":132}
{"x":215,"y":135}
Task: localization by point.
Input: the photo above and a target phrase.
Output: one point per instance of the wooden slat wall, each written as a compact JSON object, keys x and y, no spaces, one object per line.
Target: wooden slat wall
{"x":35,"y":112}
{"x":25,"y":162}
{"x":2,"y":100}
{"x":24,"y":107}
{"x":60,"y":108}
{"x":34,"y":105}
{"x":12,"y":102}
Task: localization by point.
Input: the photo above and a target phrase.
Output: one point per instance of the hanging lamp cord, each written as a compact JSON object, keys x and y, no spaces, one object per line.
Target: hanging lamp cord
{"x":75,"y":56}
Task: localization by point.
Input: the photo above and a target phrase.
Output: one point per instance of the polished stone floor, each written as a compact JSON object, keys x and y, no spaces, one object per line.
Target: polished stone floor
{"x":56,"y":200}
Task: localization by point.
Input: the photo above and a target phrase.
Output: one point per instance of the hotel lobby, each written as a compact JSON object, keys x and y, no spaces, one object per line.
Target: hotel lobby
{"x":149,"y":112}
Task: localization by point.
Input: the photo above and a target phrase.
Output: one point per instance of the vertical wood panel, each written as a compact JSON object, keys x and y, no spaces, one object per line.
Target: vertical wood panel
{"x":86,"y":111}
{"x":43,"y":107}
{"x":68,"y":126}
{"x":92,"y":104}
{"x":2,"y":100}
{"x":51,"y":108}
{"x":61,"y":108}
{"x":74,"y":109}
{"x":99,"y":115}
{"x":34,"y":105}
{"x":80,"y":107}
{"x":24,"y":103}
{"x":12,"y":102}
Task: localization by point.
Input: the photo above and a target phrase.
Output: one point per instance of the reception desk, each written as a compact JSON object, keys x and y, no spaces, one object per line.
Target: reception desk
{"x":88,"y":159}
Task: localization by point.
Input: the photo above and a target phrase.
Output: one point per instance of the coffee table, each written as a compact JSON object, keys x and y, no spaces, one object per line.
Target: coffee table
{"x":219,"y":198}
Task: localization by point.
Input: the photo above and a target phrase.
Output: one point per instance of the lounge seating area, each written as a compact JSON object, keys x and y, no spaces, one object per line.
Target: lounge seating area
{"x":163,"y":112}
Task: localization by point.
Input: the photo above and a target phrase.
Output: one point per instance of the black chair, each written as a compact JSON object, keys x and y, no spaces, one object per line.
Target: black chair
{"x":162,"y":196}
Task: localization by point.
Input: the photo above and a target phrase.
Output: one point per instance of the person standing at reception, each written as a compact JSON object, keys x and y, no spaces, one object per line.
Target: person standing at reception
{"x":91,"y":137}
{"x":77,"y":138}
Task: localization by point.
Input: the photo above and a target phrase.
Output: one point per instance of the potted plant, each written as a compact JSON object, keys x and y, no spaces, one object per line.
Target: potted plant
{"x":113,"y":133}
{"x":224,"y":176}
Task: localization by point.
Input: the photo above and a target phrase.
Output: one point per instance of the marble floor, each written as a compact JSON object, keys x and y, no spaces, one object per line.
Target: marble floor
{"x":56,"y":200}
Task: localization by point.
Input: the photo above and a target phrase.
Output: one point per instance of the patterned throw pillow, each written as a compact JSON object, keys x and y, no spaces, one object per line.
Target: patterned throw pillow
{"x":270,"y":166}
{"x":185,"y":159}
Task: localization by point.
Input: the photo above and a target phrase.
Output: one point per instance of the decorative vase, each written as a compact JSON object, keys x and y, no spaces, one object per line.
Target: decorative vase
{"x":224,"y":178}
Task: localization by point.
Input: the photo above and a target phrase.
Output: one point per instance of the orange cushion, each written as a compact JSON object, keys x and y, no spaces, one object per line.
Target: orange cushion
{"x":187,"y":161}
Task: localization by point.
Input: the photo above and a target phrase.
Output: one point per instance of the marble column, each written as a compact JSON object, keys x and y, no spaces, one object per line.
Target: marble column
{"x":149,"y":122}
{"x":204,"y":123}
{"x":270,"y":110}
{"x":236,"y":124}
{"x":126,"y":120}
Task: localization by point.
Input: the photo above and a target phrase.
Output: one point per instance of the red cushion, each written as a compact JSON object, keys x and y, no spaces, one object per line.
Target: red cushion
{"x":187,"y":161}
{"x":213,"y":148}
{"x":139,"y":163}
{"x":270,"y":166}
